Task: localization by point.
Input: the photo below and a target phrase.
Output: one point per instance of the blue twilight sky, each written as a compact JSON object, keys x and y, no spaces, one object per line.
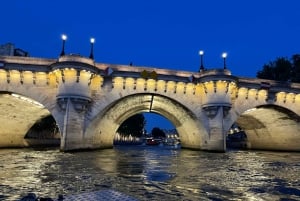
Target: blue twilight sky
{"x":158,"y":33}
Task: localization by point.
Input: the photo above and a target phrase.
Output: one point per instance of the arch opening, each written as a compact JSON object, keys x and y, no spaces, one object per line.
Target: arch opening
{"x":236,"y":138}
{"x":21,"y":120}
{"x":104,"y":126}
{"x":44,"y":132}
{"x":147,"y":128}
{"x":269,"y":127}
{"x":157,"y":120}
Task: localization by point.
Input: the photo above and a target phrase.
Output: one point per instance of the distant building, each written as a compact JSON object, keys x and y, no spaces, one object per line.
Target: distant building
{"x":10,"y":50}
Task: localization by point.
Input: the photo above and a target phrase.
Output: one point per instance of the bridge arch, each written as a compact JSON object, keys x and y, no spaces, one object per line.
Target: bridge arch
{"x":18,"y":114}
{"x":271,"y":127}
{"x":104,"y":126}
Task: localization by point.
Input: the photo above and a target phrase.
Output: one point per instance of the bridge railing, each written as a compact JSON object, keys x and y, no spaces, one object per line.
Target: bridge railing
{"x":268,"y":84}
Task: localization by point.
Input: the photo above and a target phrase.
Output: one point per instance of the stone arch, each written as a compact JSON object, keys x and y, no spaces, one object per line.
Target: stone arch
{"x":271,"y":127}
{"x":103,"y":128}
{"x":18,"y":113}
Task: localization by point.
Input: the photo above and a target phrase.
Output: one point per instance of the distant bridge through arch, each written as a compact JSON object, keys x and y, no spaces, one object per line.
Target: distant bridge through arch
{"x":90,"y":100}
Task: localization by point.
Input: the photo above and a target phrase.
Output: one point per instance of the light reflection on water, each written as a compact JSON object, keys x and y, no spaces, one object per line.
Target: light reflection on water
{"x":152,"y":173}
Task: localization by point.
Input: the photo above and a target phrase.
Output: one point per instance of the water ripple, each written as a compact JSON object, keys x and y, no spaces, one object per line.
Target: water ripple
{"x":152,"y":174}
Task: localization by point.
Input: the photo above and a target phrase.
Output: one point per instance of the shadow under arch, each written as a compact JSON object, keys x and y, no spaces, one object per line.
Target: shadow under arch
{"x":103,"y":128}
{"x":18,"y":114}
{"x":271,"y":127}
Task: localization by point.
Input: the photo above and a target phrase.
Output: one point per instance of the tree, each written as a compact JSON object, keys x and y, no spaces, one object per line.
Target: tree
{"x":133,"y":126}
{"x":282,"y":69}
{"x":279,"y":70}
{"x":158,"y":133}
{"x":295,"y":77}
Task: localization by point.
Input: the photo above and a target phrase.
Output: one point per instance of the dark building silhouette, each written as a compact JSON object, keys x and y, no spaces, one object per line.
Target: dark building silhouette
{"x":9,"y":49}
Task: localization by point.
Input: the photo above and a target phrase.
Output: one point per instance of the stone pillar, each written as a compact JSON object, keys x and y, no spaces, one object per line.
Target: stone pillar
{"x":215,"y":120}
{"x":72,"y":137}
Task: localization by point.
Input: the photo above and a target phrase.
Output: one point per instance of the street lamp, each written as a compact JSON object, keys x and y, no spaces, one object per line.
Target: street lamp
{"x":64,"y":38}
{"x":224,"y":55}
{"x":201,"y":53}
{"x":92,"y":41}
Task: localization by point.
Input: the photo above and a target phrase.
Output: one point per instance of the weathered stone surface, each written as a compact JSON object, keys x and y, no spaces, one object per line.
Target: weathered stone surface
{"x":271,"y":129}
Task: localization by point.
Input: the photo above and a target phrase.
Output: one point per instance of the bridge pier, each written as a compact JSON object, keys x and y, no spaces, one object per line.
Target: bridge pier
{"x":73,"y":123}
{"x":216,"y":134}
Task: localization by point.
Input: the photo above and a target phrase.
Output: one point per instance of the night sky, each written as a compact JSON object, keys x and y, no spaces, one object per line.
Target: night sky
{"x":158,"y":33}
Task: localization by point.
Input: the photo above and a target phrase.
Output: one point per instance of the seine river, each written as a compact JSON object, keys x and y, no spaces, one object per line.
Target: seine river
{"x":152,"y":173}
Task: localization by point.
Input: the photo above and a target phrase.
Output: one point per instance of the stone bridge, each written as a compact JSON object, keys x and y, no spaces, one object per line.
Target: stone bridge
{"x":89,"y":101}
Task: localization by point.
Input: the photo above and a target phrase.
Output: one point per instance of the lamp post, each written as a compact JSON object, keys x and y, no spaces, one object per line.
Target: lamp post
{"x":92,"y":41}
{"x":64,"y":38}
{"x":201,"y":53}
{"x":224,"y":55}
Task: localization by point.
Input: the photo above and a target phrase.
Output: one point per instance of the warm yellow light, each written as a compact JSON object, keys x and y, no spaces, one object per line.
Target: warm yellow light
{"x":250,"y":110}
{"x":201,"y":52}
{"x":64,"y":37}
{"x":27,"y":100}
{"x":92,"y":40}
{"x":224,"y":55}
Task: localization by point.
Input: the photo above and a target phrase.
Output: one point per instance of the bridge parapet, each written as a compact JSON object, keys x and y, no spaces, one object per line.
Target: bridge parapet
{"x":268,"y":84}
{"x":215,"y":72}
{"x":16,"y":61}
{"x":76,"y":58}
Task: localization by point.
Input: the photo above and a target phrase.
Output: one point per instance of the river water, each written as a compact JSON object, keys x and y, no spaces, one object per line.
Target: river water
{"x":152,"y":173}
